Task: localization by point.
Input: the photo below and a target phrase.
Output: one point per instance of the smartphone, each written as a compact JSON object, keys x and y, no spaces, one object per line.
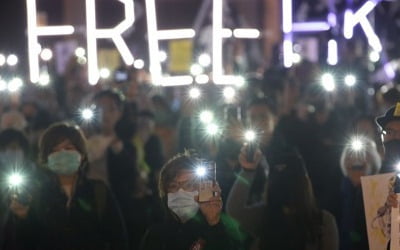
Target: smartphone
{"x":207,"y":182}
{"x":251,"y":149}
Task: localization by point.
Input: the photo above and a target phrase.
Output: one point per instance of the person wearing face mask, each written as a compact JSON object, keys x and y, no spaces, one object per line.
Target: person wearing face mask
{"x":190,"y":224}
{"x":67,"y":210}
{"x":355,"y":163}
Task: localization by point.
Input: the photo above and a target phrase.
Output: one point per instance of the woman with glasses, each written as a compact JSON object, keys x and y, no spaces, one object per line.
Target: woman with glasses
{"x":190,"y":224}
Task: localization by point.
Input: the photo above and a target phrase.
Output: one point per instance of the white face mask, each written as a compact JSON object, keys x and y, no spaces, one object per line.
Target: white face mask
{"x":182,"y":203}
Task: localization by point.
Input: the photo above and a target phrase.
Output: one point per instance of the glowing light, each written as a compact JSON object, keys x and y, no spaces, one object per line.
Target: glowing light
{"x":114,"y":33}
{"x":246,"y":33}
{"x":350,"y":80}
{"x":360,"y":17}
{"x":206,"y":116}
{"x":34,"y":31}
{"x":46,"y":54}
{"x":173,"y":81}
{"x":374,"y":56}
{"x":201,"y":171}
{"x":12,"y":60}
{"x":138,"y":64}
{"x":226,"y":33}
{"x":2,"y":60}
{"x":389,"y":70}
{"x":288,"y":51}
{"x":229,"y":93}
{"x":15,"y":180}
{"x":162,"y":56}
{"x":287,"y":18}
{"x":328,"y":82}
{"x":212,"y":129}
{"x":44,"y":79}
{"x":310,"y":26}
{"x":204,"y":60}
{"x":196,"y":69}
{"x":15,"y":84}
{"x":202,"y":79}
{"x":398,"y":166}
{"x":194,"y":93}
{"x":82,"y":60}
{"x":175,"y":34}
{"x":357,"y":144}
{"x":332,"y":52}
{"x":3,"y":85}
{"x":250,"y":135}
{"x":105,"y":73}
{"x":87,"y":114}
{"x":296,"y":58}
{"x":80,"y":52}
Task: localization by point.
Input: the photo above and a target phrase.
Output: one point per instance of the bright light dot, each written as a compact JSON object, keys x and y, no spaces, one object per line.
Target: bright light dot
{"x":138,"y":64}
{"x":204,"y":60}
{"x":82,"y":60}
{"x":371,"y":91}
{"x":80,"y":52}
{"x":374,"y":56}
{"x":3,"y":85}
{"x":196,"y":69}
{"x":328,"y":82}
{"x":229,"y":93}
{"x":12,"y":60}
{"x":2,"y":60}
{"x":44,"y":79}
{"x":296,"y":58}
{"x":357,"y":144}
{"x":212,"y":129}
{"x":15,"y":84}
{"x":46,"y":54}
{"x":162,"y":56}
{"x":350,"y":80}
{"x":194,"y":93}
{"x":87,"y":114}
{"x":206,"y":116}
{"x":104,"y":73}
{"x":202,"y":79}
{"x":15,"y":180}
{"x":249,"y":135}
{"x":201,"y":171}
{"x":398,"y":166}
{"x":240,"y":81}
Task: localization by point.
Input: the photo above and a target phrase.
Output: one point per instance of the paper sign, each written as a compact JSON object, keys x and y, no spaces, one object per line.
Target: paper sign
{"x":377,"y":214}
{"x":180,"y":55}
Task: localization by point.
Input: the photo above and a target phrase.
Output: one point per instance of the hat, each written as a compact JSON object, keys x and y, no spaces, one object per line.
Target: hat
{"x":287,"y":164}
{"x":393,"y":114}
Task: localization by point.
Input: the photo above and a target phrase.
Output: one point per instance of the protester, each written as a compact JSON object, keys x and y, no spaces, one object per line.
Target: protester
{"x":289,"y":217}
{"x":190,"y":224}
{"x":355,"y":163}
{"x":67,"y":210}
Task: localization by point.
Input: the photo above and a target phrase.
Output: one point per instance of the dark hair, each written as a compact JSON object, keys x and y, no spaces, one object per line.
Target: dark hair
{"x":114,"y":94}
{"x":9,"y":136}
{"x":58,"y":133}
{"x":267,"y":102}
{"x":290,"y":188}
{"x":183,"y":161}
{"x":146,"y":114}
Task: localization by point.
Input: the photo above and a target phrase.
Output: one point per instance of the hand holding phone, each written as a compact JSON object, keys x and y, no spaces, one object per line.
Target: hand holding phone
{"x":207,"y":176}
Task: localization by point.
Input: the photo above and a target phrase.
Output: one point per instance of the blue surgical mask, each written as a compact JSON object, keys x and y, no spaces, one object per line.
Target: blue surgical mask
{"x":64,"y":162}
{"x":182,"y":203}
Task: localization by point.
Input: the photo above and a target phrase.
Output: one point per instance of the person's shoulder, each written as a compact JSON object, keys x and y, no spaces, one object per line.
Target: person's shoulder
{"x":327,"y":218}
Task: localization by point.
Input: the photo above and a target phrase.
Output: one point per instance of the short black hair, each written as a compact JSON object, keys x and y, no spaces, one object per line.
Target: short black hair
{"x":9,"y":136}
{"x":116,"y":95}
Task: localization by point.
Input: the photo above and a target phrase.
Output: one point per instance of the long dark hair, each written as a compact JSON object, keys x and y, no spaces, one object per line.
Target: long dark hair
{"x":292,"y":219}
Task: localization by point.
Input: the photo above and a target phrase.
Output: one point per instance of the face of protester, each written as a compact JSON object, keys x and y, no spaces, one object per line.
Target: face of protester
{"x":185,"y":180}
{"x":65,"y":159}
{"x":392,"y":131}
{"x":356,"y":168}
{"x":110,"y":114}
{"x":261,"y":118}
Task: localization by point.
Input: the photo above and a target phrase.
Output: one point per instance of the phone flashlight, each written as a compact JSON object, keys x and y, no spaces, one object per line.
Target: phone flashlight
{"x":250,"y":138}
{"x":206,"y":173}
{"x":357,"y":144}
{"x":87,"y":114}
{"x":15,"y":180}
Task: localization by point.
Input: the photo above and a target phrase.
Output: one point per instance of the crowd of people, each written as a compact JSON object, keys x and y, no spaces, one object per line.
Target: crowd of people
{"x":124,"y":177}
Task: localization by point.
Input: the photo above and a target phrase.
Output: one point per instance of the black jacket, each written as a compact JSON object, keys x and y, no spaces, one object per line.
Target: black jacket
{"x":92,"y":221}
{"x":195,"y":234}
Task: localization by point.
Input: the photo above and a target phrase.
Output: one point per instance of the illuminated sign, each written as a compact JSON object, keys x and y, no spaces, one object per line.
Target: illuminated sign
{"x":289,"y":28}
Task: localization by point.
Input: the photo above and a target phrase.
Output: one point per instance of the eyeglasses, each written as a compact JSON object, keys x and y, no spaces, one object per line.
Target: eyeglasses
{"x":190,"y":186}
{"x":391,"y":133}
